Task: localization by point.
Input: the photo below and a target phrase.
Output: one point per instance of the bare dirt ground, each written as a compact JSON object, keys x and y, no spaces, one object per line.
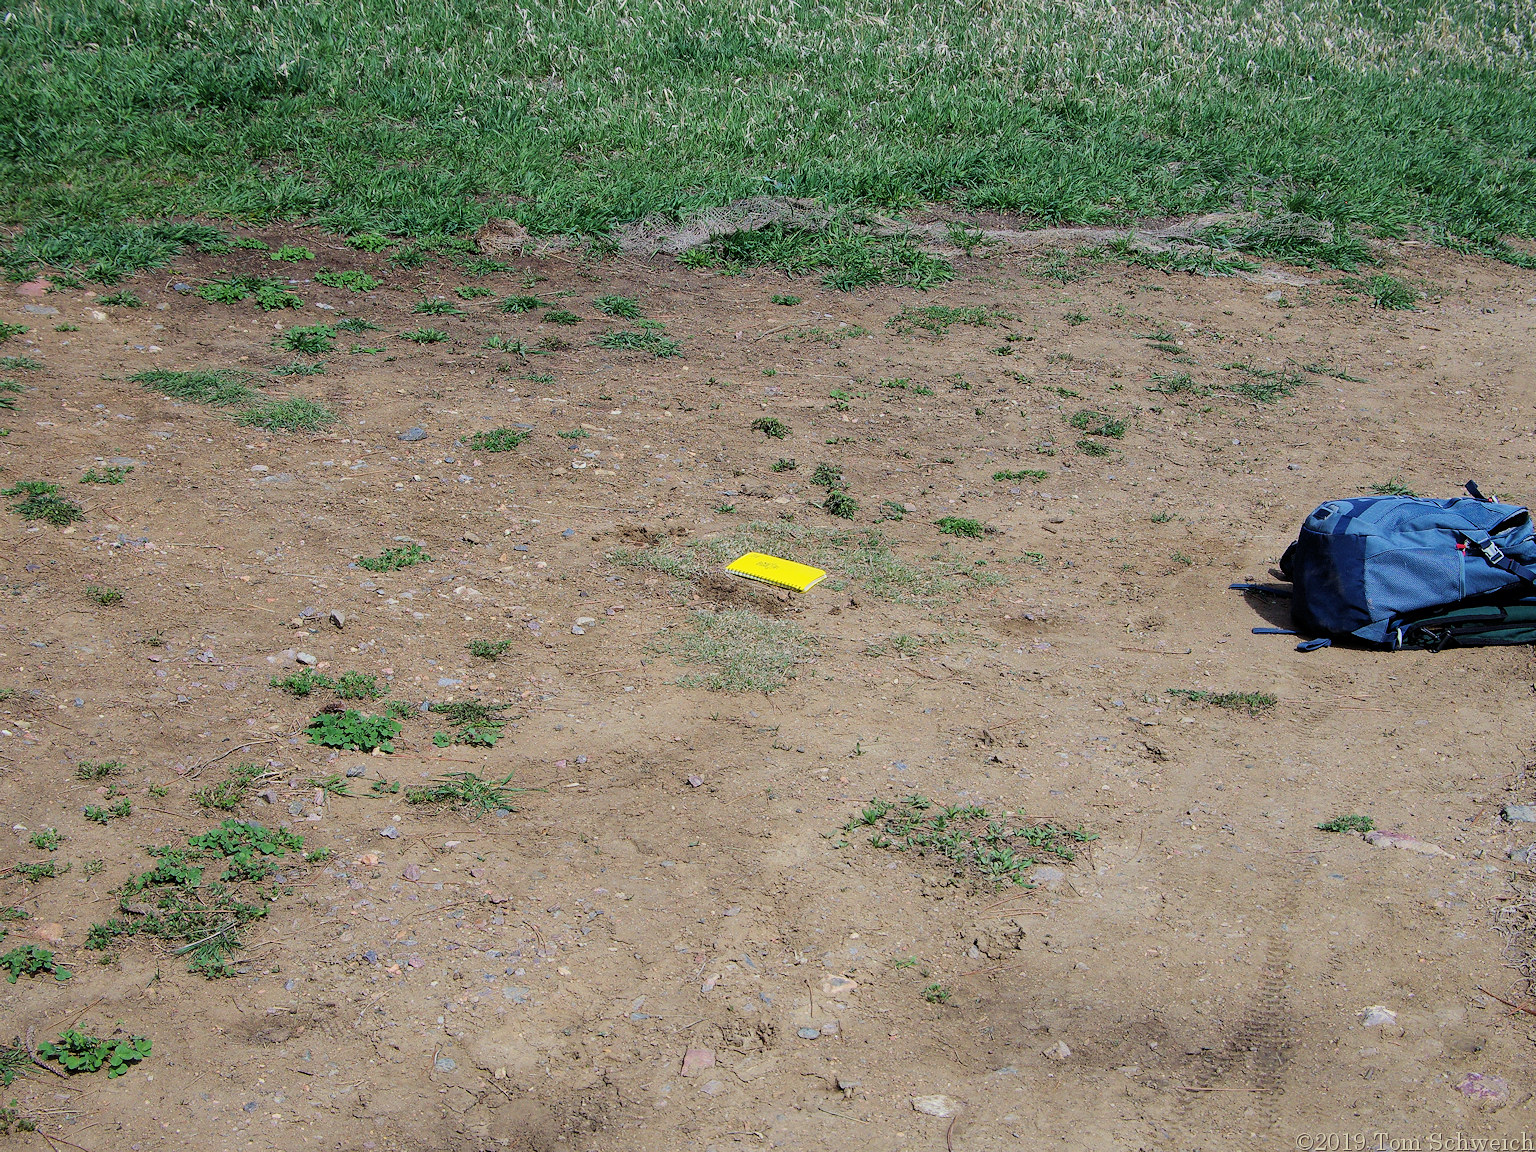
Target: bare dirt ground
{"x":535,"y":979}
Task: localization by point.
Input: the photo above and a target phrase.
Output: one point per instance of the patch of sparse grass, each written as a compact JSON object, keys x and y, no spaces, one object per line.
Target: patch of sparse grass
{"x":425,"y":336}
{"x":937,"y":319}
{"x":269,"y":295}
{"x":961,"y":526}
{"x":105,"y":252}
{"x":355,"y":324}
{"x":574,"y":434}
{"x":353,"y":731}
{"x":230,"y":792}
{"x":1164,"y":517}
{"x":109,"y":475}
{"x":467,"y":793}
{"x":99,"y":769}
{"x":847,"y":257}
{"x":725,"y":509}
{"x":351,"y":281}
{"x":1178,"y":384}
{"x":1254,"y":703}
{"x":120,"y":299}
{"x":332,"y":783}
{"x":976,"y":843}
{"x":203,"y":895}
{"x":488,"y":649}
{"x":937,"y":994}
{"x":9,"y":330}
{"x":393,"y":559}
{"x":829,"y":476}
{"x":312,"y":340}
{"x":219,"y":388}
{"x":1034,"y":474}
{"x":738,"y":650}
{"x":1360,"y":824}
{"x":838,"y":503}
{"x":783,"y":300}
{"x":479,"y":724}
{"x":295,"y":414}
{"x":369,"y":242}
{"x":299,"y":368}
{"x":359,"y":686}
{"x":40,"y":500}
{"x":1393,"y":487}
{"x":473,"y":292}
{"x":784,"y":464}
{"x":771,"y":427}
{"x":555,"y":344}
{"x":292,"y":253}
{"x":561,"y":316}
{"x":1097,"y":423}
{"x":497,"y":440}
{"x":104,"y":815}
{"x":106,"y":597}
{"x":641,"y":340}
{"x":524,"y":303}
{"x":19,"y":363}
{"x":32,"y":873}
{"x":437,"y":306}
{"x":301,"y":682}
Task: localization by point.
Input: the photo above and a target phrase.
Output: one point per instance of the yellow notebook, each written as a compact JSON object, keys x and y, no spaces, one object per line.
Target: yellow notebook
{"x":777,"y":571}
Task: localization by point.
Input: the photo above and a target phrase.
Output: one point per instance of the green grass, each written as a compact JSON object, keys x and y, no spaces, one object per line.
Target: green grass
{"x":497,"y":440}
{"x":313,"y":340}
{"x":40,"y":500}
{"x":292,"y":253}
{"x":1393,"y":487}
{"x":784,"y":300}
{"x":488,"y":649}
{"x":1361,"y":824}
{"x":229,"y":793}
{"x":838,"y":503}
{"x":937,"y":319}
{"x":561,"y":316}
{"x":91,"y":247}
{"x":295,"y":414}
{"x":106,"y":597}
{"x":9,"y":330}
{"x":1382,"y":116}
{"x":473,"y":292}
{"x":98,"y":769}
{"x":1097,"y":423}
{"x":846,"y":257}
{"x":784,"y":464}
{"x":393,"y":559}
{"x":1254,"y":703}
{"x":120,"y":299}
{"x":1178,"y":384}
{"x":642,"y":340}
{"x":467,"y":793}
{"x":425,"y":336}
{"x":738,"y":651}
{"x":1034,"y":474}
{"x":109,"y":475}
{"x":771,"y":427}
{"x":351,"y":281}
{"x":517,"y":304}
{"x":972,"y":841}
{"x":46,"y":839}
{"x":299,"y":368}
{"x":437,"y":306}
{"x":961,"y":526}
{"x":221,"y":387}
{"x":268,"y":294}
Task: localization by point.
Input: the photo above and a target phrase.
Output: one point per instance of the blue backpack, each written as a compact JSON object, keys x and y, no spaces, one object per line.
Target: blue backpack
{"x":1405,"y":572}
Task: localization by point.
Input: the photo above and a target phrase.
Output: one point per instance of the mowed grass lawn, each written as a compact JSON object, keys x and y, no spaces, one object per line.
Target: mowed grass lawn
{"x":423,"y":118}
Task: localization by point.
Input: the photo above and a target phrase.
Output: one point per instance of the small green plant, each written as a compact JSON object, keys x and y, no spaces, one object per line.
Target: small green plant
{"x":293,"y":253}
{"x":353,"y":731}
{"x":40,"y":500}
{"x":159,"y":790}
{"x":473,"y":292}
{"x":1388,"y":292}
{"x":641,"y":340}
{"x":229,"y":793}
{"x":98,"y":769}
{"x":437,"y":306}
{"x":120,"y":299}
{"x":1180,"y":384}
{"x":9,"y":330}
{"x":111,"y":475}
{"x":295,"y":414}
{"x":516,"y":347}
{"x":1073,"y":319}
{"x":479,"y":724}
{"x":13,"y":1059}
{"x":467,"y":793}
{"x":93,"y":868}
{"x":312,"y":339}
{"x":1034,"y":474}
{"x":574,"y":434}
{"x":106,"y":597}
{"x":725,"y":509}
{"x":838,"y":503}
{"x":45,"y":870}
{"x":497,"y":440}
{"x":77,"y":1052}
{"x":393,"y":559}
{"x":1254,"y":703}
{"x":30,"y":960}
{"x":936,"y":994}
{"x":359,"y":686}
{"x":561,"y":316}
{"x":351,"y":281}
{"x":1181,"y":558}
{"x":384,"y":788}
{"x":524,"y":304}
{"x":488,"y":649}
{"x":355,"y":324}
{"x":425,"y":335}
{"x":46,"y":840}
{"x":250,"y":243}
{"x":301,"y":682}
{"x":1360,"y":824}
{"x":771,"y":427}
{"x":784,"y":465}
{"x":1093,"y":448}
{"x":369,"y":241}
{"x":118,"y":811}
{"x":1393,"y":487}
{"x":624,"y":307}
{"x":1097,"y":423}
{"x":784,"y":300}
{"x":15,"y":363}
{"x":961,"y":526}
{"x":900,"y":962}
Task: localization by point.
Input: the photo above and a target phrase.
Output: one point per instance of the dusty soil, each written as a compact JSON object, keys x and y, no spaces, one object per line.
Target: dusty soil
{"x":540,"y":980}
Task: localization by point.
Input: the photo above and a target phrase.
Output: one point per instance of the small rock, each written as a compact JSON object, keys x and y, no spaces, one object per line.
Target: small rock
{"x":1058,"y":1052}
{"x":359,"y":770}
{"x":712,"y":1088}
{"x":309,"y":613}
{"x":371,"y":956}
{"x":1375,"y":1016}
{"x":338,"y":618}
{"x":49,"y":933}
{"x":1526,"y":855}
{"x":695,"y":782}
{"x":40,"y":309}
{"x":268,"y":795}
{"x":695,"y":1060}
{"x":808,"y":1033}
{"x":1274,"y":296}
{"x":38,"y":287}
{"x":445,"y":1064}
{"x":411,"y":872}
{"x":838,"y":985}
{"x":1393,"y":840}
{"x":1520,"y":813}
{"x":936,"y":1105}
{"x":1489,"y":1090}
{"x":1047,"y":877}
{"x":471,"y":538}
{"x":411,"y":435}
{"x":568,"y":533}
{"x":585,"y":621}
{"x":909,"y":507}
{"x":304,"y":658}
{"x":390,"y":831}
{"x":578,"y":630}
